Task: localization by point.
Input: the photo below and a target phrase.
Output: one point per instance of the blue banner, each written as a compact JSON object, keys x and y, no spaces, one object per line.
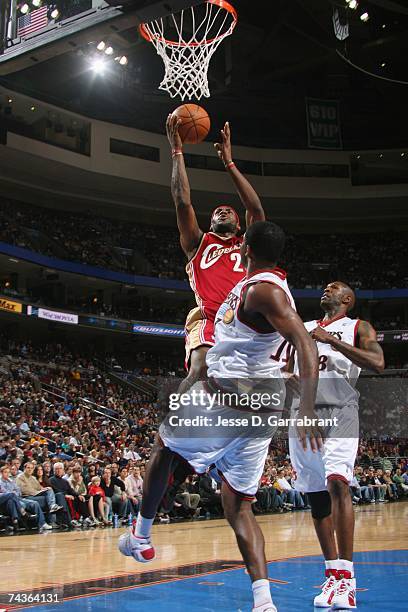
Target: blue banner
{"x":159,"y":330}
{"x":163,"y":283}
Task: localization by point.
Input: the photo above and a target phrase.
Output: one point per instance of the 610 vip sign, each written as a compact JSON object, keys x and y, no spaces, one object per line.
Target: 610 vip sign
{"x":323,"y":124}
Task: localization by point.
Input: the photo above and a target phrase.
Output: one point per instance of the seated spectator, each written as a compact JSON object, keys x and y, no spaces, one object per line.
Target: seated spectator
{"x":14,"y":471}
{"x":279,"y":490}
{"x":392,"y":489}
{"x":79,"y":505}
{"x":30,"y":488}
{"x":40,"y":475}
{"x":290,"y":495}
{"x":120,"y":501}
{"x":376,"y":480}
{"x":210,"y":494}
{"x":26,"y":509}
{"x":134,"y":488}
{"x":399,"y":481}
{"x":188,"y":498}
{"x":109,"y":489}
{"x":130,"y":453}
{"x":97,"y":502}
{"x":366,"y":487}
{"x":67,"y":494}
{"x":268,"y":499}
{"x":379,"y":479}
{"x":11,"y":503}
{"x":90,"y":473}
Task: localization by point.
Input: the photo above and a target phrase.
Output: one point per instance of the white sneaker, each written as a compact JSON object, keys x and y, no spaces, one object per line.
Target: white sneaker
{"x":140,"y":549}
{"x":55,"y":508}
{"x":45,"y":527}
{"x":323,"y":600}
{"x":344,"y":597}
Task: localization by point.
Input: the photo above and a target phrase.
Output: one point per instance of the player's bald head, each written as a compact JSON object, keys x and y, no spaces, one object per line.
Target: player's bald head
{"x":338,"y":296}
{"x":349,"y":294}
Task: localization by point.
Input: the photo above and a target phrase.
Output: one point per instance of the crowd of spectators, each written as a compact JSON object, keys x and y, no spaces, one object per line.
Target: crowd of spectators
{"x":367,"y":261}
{"x":84,"y":365}
{"x":74,"y":446}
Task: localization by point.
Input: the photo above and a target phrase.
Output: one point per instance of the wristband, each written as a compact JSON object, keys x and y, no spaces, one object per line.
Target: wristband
{"x":175,"y":152}
{"x":229,"y":164}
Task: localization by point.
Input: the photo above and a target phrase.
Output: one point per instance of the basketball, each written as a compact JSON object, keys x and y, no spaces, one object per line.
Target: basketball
{"x":195,"y":123}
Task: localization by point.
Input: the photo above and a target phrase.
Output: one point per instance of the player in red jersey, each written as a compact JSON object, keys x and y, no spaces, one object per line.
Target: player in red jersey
{"x":214,"y":260}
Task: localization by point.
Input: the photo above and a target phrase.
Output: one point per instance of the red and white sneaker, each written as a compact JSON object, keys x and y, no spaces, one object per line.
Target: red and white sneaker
{"x":323,"y":600}
{"x":344,"y":597}
{"x":134,"y":546}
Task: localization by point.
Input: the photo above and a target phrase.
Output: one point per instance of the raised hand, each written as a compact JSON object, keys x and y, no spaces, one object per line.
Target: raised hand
{"x":223,"y":148}
{"x":172,"y":126}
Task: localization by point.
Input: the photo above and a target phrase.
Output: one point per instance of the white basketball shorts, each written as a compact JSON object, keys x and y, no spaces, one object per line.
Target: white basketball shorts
{"x":337,"y":456}
{"x":240,"y":459}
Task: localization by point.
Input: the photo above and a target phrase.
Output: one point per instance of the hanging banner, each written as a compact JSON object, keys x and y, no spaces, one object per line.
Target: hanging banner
{"x":11,"y":306}
{"x":323,"y":124}
{"x":159,"y":330}
{"x":53,"y":315}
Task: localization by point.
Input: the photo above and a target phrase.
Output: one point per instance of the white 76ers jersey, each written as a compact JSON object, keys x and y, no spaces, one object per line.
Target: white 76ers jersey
{"x":337,"y":374}
{"x":241,"y":351}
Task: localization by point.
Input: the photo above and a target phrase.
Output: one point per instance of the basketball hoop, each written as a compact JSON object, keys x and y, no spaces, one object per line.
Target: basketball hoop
{"x":196,"y":34}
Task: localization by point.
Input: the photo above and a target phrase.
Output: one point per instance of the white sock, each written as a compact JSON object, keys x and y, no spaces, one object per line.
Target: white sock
{"x":262,"y":592}
{"x":343,"y":564}
{"x":143,"y":526}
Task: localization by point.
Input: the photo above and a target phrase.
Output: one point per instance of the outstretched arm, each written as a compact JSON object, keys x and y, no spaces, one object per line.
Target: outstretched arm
{"x":248,"y":196}
{"x":271,"y":301}
{"x":190,"y":233}
{"x":368,"y":354}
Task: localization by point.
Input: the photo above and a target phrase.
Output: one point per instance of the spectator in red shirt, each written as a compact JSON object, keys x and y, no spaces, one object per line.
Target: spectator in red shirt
{"x":97,"y":501}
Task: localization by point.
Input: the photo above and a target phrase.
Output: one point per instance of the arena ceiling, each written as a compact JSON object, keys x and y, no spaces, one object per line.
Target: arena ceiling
{"x":280,"y":53}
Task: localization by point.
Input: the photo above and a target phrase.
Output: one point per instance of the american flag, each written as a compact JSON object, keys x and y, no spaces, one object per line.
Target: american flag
{"x":33,"y":21}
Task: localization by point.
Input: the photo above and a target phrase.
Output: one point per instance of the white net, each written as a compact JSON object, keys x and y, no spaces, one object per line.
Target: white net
{"x":186,"y":42}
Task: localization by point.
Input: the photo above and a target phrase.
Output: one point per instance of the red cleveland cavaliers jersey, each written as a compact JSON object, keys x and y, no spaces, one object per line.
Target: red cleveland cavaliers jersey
{"x":214,"y":270}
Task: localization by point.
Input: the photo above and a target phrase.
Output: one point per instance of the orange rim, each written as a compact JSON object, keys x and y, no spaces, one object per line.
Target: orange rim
{"x":221,"y":3}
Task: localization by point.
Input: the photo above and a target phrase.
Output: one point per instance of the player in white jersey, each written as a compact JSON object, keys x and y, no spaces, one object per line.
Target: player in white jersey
{"x":249,"y":326}
{"x":345,"y":346}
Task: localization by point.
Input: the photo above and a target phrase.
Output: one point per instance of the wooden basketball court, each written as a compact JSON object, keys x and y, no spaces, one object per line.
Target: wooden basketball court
{"x":40,"y":563}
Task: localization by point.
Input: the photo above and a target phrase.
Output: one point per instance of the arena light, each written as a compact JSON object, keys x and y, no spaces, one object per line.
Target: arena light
{"x":36,"y":3}
{"x":109,"y":51}
{"x":101,"y":46}
{"x":353,"y":4}
{"x":55,"y":14}
{"x":98,"y":65}
{"x":24,"y":8}
{"x":123,"y":60}
{"x":365,"y":17}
